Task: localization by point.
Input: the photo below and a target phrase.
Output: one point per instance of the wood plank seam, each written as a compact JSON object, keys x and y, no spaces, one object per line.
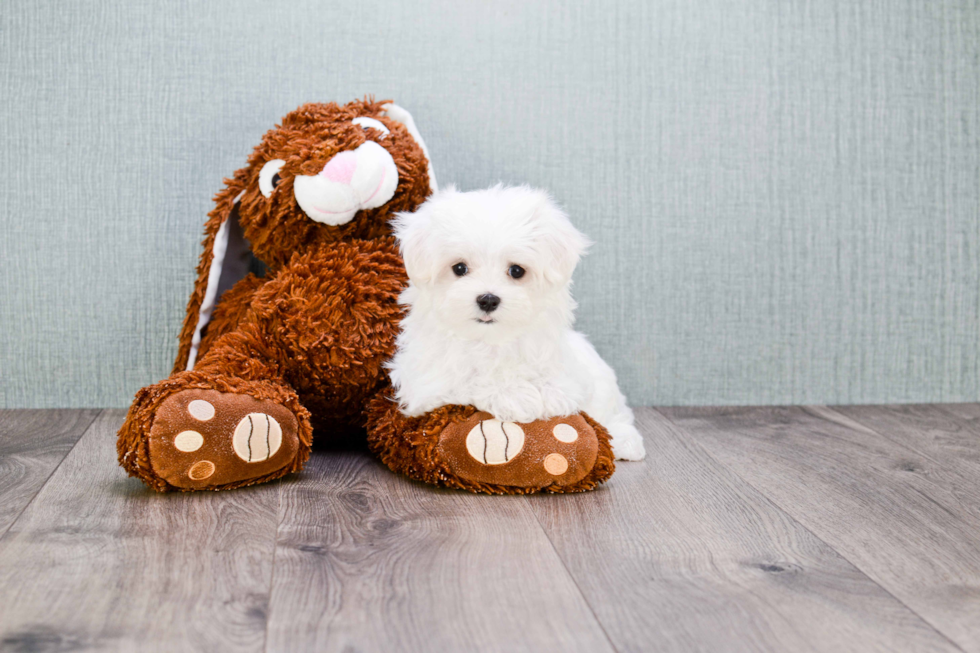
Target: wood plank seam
{"x":88,"y":426}
{"x":128,"y":568}
{"x":272,"y":575}
{"x":367,"y":559}
{"x":828,"y":413}
{"x":789,"y":515}
{"x":571,"y":576}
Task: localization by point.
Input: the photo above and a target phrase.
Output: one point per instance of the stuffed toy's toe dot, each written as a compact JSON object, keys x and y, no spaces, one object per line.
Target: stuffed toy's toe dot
{"x":188,"y":441}
{"x":201,"y":470}
{"x":565,"y":433}
{"x":555,"y":464}
{"x":200,"y":409}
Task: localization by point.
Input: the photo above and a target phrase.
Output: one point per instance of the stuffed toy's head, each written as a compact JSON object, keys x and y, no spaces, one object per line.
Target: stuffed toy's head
{"x":328,"y":172}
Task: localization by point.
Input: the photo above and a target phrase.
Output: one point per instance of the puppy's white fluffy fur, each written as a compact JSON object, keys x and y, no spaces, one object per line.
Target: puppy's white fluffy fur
{"x":522,"y":361}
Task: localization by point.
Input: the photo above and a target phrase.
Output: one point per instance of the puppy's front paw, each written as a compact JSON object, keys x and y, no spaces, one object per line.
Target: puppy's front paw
{"x":520,"y":403}
{"x":627,"y":443}
{"x":556,"y":402}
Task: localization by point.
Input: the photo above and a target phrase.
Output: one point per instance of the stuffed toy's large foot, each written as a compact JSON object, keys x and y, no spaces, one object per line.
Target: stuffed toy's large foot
{"x":203,"y":439}
{"x":457,"y":446}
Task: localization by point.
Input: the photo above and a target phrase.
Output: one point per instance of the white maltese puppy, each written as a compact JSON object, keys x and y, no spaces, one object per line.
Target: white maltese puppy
{"x":490,"y":314}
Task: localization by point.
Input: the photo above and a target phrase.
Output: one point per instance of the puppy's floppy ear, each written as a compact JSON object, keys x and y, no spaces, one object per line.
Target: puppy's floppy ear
{"x":416,"y":240}
{"x":563,"y":244}
{"x":226,"y":259}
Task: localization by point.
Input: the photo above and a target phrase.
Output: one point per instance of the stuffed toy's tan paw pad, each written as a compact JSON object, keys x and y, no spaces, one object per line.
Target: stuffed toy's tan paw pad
{"x":546,"y":453}
{"x":206,"y":438}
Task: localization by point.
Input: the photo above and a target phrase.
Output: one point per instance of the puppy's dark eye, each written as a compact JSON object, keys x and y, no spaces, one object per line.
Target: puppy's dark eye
{"x":460,"y":269}
{"x":516,"y":271}
{"x":276,"y":179}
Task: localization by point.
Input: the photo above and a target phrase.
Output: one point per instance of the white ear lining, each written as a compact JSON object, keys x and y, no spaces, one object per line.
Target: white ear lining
{"x":211,"y":293}
{"x":395,"y":112}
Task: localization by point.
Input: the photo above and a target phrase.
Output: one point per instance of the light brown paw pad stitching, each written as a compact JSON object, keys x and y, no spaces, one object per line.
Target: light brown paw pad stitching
{"x":555,"y":464}
{"x":201,"y":470}
{"x":205,"y":438}
{"x":559,"y":451}
{"x":257,"y":437}
{"x":493,"y":442}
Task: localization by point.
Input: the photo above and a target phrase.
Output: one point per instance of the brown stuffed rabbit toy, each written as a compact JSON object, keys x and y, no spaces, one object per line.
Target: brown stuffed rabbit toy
{"x":294,"y":313}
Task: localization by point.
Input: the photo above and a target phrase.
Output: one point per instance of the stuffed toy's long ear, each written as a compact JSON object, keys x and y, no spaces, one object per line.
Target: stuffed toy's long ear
{"x":227,"y":258}
{"x":396,"y":112}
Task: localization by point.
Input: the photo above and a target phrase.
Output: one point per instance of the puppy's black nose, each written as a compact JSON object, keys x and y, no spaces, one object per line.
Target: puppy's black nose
{"x":488,"y":302}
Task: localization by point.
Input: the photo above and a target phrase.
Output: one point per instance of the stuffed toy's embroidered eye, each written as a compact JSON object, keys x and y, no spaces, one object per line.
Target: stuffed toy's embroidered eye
{"x":460,"y":269}
{"x":516,"y":271}
{"x":269,"y":176}
{"x":371,"y":123}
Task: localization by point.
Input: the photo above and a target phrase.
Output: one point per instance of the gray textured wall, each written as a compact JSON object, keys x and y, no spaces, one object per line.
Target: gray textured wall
{"x":784,"y":194}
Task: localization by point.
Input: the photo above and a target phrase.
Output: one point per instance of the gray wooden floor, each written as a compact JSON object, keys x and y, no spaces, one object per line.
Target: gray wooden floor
{"x":746,"y":529}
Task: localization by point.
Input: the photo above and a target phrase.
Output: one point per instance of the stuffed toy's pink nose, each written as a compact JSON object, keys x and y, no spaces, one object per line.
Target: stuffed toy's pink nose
{"x":341,"y":167}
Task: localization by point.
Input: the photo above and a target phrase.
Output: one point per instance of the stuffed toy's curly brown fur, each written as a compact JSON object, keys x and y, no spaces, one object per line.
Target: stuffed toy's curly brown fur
{"x":301,"y":350}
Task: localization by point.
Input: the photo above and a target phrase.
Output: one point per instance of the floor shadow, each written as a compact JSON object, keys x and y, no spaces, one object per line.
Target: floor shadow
{"x":337,"y":439}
